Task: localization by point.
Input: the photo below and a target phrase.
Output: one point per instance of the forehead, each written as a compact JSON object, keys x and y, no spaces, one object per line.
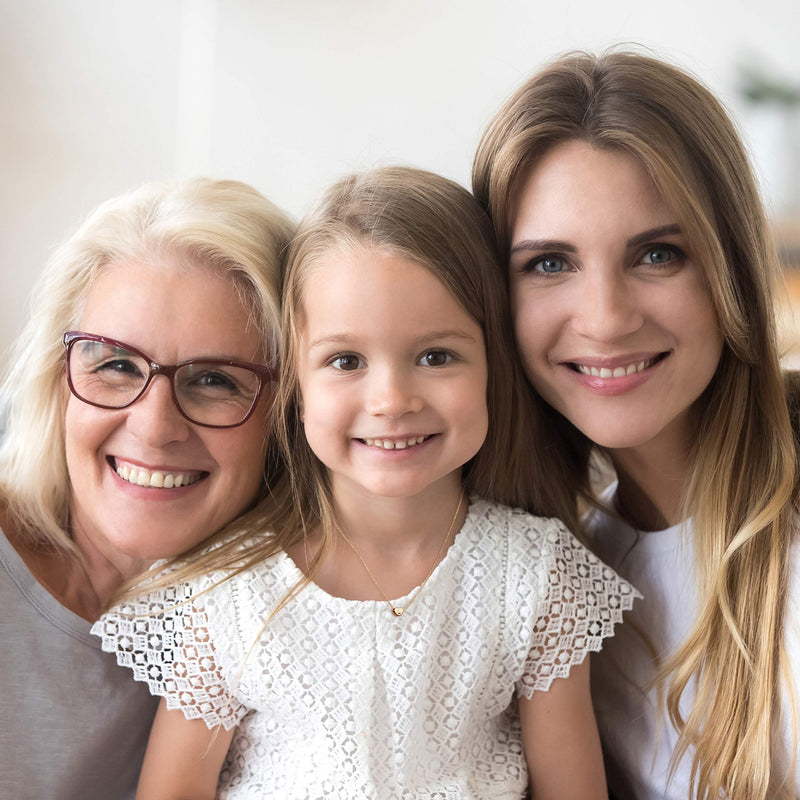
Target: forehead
{"x":369,"y":289}
{"x":575,"y":182}
{"x":175,"y":307}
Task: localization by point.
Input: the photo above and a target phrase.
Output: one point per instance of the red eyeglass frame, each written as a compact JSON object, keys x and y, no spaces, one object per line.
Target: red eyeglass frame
{"x":265,"y":374}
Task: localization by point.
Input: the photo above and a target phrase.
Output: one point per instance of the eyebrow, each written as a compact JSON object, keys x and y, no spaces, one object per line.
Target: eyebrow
{"x":654,"y":233}
{"x":540,"y":245}
{"x":544,"y":244}
{"x":346,"y":339}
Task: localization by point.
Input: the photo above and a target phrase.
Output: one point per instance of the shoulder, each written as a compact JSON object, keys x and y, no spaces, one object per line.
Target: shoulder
{"x":535,"y":551}
{"x":522,"y":530}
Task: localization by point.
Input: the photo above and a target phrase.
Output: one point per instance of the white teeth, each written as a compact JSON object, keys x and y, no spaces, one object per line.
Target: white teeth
{"x":617,"y":372}
{"x":388,"y":444}
{"x":157,"y":479}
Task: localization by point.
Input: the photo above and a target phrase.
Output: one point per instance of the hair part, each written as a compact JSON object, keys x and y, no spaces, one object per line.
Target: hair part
{"x":224,"y":226}
{"x":742,"y":489}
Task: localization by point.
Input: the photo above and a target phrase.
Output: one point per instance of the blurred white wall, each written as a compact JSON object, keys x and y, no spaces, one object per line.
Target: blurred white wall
{"x":97,"y":97}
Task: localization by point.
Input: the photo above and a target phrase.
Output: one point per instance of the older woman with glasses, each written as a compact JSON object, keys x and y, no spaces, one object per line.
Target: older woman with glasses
{"x":136,"y":414}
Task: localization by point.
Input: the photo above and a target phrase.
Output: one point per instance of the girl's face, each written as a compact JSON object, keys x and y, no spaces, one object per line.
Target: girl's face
{"x":613,"y":318}
{"x":115,"y":457}
{"x":392,"y":373}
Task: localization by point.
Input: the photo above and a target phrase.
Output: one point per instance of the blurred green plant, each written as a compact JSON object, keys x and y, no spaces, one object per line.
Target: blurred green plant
{"x":757,"y":86}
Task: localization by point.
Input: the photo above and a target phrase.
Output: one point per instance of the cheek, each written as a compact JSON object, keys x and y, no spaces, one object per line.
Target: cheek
{"x":85,"y":429}
{"x":528,"y":324}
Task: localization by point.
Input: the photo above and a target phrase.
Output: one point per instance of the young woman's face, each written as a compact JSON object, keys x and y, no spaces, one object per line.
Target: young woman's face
{"x":614,"y":321}
{"x":392,"y":375}
{"x":117,"y":458}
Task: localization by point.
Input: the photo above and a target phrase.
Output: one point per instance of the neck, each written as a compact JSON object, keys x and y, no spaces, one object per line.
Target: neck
{"x":393,"y":523}
{"x":81,"y":582}
{"x":104,"y":574}
{"x":651,"y":486}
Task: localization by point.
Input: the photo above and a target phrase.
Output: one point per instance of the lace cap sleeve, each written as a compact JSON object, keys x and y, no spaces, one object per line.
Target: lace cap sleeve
{"x":166,"y":639}
{"x":580,"y":599}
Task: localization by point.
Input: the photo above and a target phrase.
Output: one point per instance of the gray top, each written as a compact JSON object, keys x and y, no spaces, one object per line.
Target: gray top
{"x":73,"y":725}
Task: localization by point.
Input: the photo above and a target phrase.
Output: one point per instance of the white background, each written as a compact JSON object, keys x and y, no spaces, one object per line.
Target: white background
{"x":97,"y":96}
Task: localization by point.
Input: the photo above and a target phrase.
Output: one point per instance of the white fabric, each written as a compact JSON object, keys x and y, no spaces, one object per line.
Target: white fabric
{"x":339,"y":699}
{"x":637,"y":736}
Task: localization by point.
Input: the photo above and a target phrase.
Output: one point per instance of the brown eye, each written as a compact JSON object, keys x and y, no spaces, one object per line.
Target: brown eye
{"x":435,"y":358}
{"x":346,"y":362}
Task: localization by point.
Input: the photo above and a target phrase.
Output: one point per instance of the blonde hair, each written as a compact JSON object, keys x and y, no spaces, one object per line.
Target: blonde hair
{"x":741,"y":491}
{"x":437,"y":224}
{"x":226,"y":226}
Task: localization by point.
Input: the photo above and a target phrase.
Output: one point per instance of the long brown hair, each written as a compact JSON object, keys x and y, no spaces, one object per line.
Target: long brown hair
{"x":741,"y":491}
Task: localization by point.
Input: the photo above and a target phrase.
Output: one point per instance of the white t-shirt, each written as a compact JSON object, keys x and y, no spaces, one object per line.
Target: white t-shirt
{"x":340,"y":699}
{"x":637,"y":736}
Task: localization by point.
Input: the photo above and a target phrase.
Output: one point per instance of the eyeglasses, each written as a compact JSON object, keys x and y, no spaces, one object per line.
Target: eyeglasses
{"x":211,"y":392}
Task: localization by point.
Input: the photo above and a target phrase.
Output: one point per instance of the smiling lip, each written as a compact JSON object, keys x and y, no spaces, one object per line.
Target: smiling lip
{"x":138,"y":475}
{"x":396,"y":443}
{"x":615,"y":376}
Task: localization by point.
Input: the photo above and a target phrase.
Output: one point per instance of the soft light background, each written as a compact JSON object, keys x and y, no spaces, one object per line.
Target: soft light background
{"x":97,"y":96}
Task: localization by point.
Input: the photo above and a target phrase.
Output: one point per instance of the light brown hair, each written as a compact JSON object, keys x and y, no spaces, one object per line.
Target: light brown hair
{"x":437,"y":224}
{"x":741,"y":491}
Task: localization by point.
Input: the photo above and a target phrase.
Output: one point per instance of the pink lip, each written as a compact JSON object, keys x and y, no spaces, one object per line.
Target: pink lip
{"x":611,"y":386}
{"x":612,"y":362}
{"x":395,"y":437}
{"x":151,"y":467}
{"x":152,"y":493}
{"x":400,"y":452}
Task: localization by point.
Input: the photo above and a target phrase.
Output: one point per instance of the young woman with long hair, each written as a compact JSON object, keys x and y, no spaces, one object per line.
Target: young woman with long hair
{"x":641,"y":274}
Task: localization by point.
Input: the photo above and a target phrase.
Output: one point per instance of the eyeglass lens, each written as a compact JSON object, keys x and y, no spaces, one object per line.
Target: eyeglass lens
{"x":207,"y":392}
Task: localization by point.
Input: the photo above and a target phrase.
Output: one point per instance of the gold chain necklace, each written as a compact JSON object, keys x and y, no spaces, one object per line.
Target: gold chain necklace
{"x":398,"y":611}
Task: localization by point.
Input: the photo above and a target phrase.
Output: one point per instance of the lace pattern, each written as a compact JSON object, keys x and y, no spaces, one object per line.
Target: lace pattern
{"x":339,"y":699}
{"x":164,"y":639}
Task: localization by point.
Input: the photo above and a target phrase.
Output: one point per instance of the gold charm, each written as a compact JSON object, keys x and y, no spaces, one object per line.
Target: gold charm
{"x":398,"y":611}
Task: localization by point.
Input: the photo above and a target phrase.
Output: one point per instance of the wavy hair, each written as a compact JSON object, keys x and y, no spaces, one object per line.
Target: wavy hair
{"x":741,"y":492}
{"x":226,"y":226}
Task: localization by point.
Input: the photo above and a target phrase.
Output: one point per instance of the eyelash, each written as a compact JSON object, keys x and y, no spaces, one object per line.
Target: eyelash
{"x":449,"y":357}
{"x":677,"y":254}
{"x":341,"y":357}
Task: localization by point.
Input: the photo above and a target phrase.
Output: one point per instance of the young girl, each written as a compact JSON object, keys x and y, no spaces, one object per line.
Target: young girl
{"x":640,"y":271}
{"x":397,"y":636}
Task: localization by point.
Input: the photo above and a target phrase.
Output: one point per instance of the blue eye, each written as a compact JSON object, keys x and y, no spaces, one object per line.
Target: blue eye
{"x":347,"y":362}
{"x":435,"y":358}
{"x":661,"y":254}
{"x":546,"y":265}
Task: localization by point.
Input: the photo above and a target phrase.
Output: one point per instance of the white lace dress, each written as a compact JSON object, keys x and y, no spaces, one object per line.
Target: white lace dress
{"x":339,"y":699}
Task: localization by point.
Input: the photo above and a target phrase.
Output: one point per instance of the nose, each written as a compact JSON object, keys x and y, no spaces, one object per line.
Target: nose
{"x":154,"y":418}
{"x":391,"y":393}
{"x":609,"y":306}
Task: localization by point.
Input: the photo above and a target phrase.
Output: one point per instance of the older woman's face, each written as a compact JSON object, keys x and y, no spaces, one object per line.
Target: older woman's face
{"x":171,"y":314}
